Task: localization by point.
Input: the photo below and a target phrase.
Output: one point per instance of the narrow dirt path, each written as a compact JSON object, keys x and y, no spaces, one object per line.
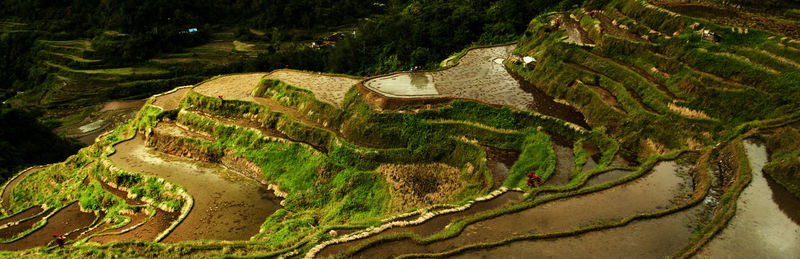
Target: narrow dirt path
{"x":610,"y":28}
{"x":576,"y":33}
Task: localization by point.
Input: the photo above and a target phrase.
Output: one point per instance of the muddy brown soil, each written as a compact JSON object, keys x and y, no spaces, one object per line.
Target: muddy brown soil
{"x":649,"y":193}
{"x":21,"y":215}
{"x":544,"y":104}
{"x":64,"y":221}
{"x":607,"y":97}
{"x":147,"y":232}
{"x":98,"y":228}
{"x":765,"y":224}
{"x":120,"y":105}
{"x":418,"y":185}
{"x":12,"y":230}
{"x":274,"y":106}
{"x":173,"y":129}
{"x":431,"y":226}
{"x":499,"y":162}
{"x":565,"y":161}
{"x":654,"y":238}
{"x":227,"y":206}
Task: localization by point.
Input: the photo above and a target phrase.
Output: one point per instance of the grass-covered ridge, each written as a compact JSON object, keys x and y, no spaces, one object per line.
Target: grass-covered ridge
{"x":339,"y":168}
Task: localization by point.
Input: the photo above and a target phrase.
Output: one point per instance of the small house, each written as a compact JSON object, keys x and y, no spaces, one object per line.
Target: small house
{"x":710,"y":36}
{"x":529,"y":60}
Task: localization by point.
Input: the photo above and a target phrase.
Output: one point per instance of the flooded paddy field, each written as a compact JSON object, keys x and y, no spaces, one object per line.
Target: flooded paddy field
{"x":69,"y":221}
{"x":480,"y":75}
{"x":767,"y":219}
{"x":100,"y":118}
{"x":227,"y":206}
{"x":432,"y":225}
{"x":653,"y":238}
{"x":653,"y":192}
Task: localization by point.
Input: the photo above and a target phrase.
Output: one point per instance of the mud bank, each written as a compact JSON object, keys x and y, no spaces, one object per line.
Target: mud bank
{"x":565,"y":161}
{"x":499,"y":161}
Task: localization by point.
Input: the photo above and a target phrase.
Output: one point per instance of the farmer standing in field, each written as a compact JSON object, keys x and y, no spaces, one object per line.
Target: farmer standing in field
{"x":59,"y":240}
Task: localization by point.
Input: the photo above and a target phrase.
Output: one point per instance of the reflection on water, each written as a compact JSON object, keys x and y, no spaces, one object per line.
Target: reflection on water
{"x":654,"y":238}
{"x":419,"y":80}
{"x":652,"y":192}
{"x":227,"y":206}
{"x":765,"y":224}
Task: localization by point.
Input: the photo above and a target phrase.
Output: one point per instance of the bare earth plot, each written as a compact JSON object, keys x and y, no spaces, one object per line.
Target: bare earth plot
{"x":239,"y":86}
{"x":326,"y":88}
{"x":170,"y":101}
{"x":480,"y":75}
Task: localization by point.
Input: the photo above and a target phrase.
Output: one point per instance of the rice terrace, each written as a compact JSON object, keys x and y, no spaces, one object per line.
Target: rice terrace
{"x":401,"y":129}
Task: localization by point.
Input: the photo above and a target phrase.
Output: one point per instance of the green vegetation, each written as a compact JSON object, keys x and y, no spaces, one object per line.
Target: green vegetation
{"x":673,"y":91}
{"x":784,"y":160}
{"x":537,"y":156}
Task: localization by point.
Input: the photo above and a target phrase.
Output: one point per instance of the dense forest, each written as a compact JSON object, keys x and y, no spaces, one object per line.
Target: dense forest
{"x":24,"y":141}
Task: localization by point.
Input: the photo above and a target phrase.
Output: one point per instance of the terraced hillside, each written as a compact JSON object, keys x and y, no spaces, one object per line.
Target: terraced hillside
{"x":78,"y":81}
{"x":644,"y":136}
